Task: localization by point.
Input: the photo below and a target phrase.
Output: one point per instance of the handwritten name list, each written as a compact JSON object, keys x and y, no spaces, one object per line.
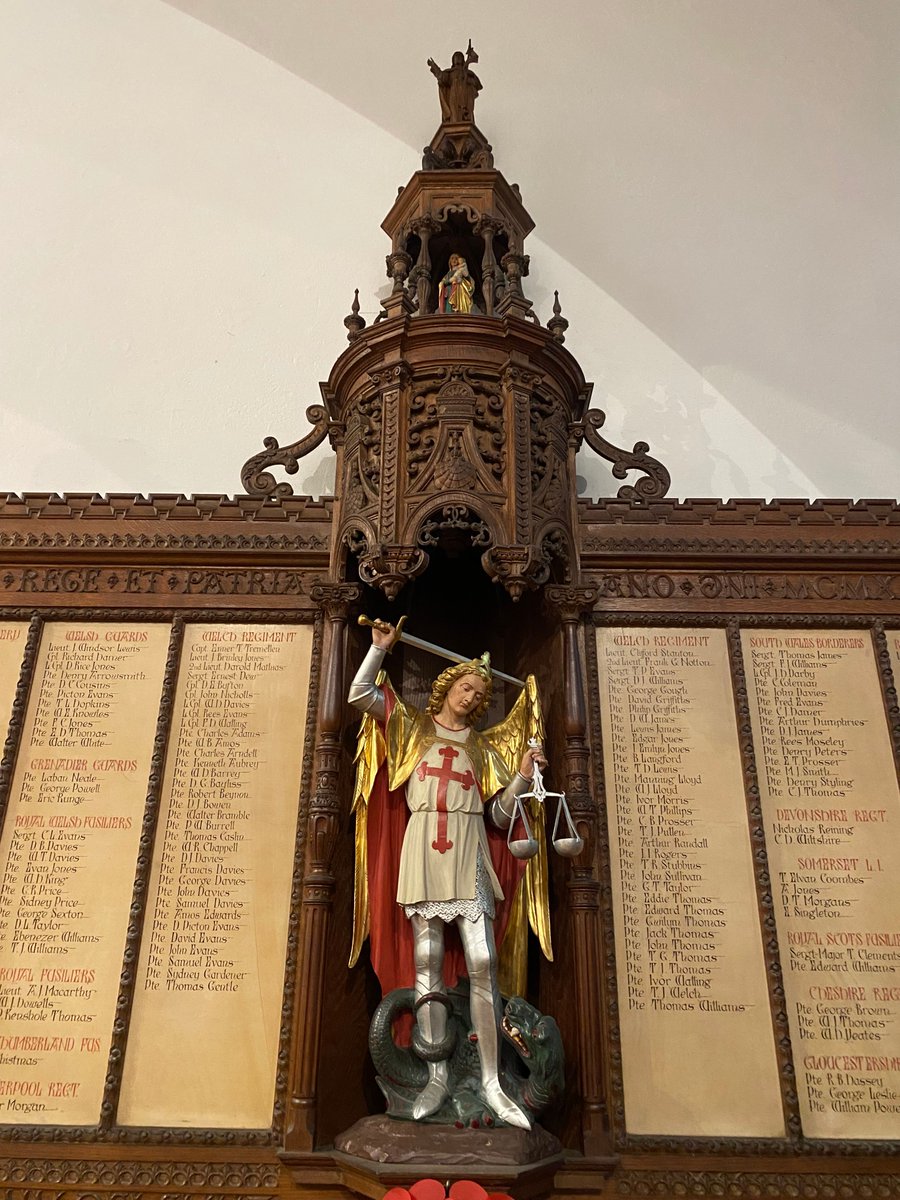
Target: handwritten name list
{"x":67,"y":856}
{"x":830,"y":800}
{"x":204,"y":1034}
{"x":698,"y":1052}
{"x":12,"y":648}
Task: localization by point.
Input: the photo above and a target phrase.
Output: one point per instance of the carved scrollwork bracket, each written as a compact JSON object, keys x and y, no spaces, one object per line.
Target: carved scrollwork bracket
{"x":656,"y":481}
{"x":391,"y":567}
{"x":519,"y":568}
{"x":258,"y":481}
{"x":455,"y":518}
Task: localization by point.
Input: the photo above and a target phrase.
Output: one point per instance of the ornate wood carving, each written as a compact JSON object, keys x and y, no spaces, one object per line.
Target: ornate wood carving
{"x":434,"y":431}
{"x":258,"y":481}
{"x":69,"y":1176}
{"x":321,"y":828}
{"x":571,"y":605}
{"x":656,"y":480}
{"x":715,"y":591}
{"x":751,"y":1182}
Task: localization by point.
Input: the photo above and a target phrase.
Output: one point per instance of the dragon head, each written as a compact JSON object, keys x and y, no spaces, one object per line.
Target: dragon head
{"x":538,"y":1043}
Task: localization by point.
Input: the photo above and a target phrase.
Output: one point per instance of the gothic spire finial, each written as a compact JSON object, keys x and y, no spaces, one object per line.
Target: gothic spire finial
{"x":353,"y":321}
{"x":558,"y":323}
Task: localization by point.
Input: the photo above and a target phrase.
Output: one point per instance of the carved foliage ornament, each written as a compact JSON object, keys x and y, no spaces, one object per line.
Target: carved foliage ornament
{"x":391,"y":567}
{"x":523,"y":568}
{"x":656,"y":479}
{"x":549,"y":434}
{"x":455,"y":518}
{"x":456,"y":435}
{"x":362,"y":461}
{"x":258,"y":481}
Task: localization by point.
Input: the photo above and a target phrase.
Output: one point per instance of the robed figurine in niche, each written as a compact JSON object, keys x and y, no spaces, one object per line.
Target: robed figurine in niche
{"x":456,"y":288}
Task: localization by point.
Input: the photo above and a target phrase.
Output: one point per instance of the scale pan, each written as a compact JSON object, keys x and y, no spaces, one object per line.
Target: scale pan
{"x":568,"y":847}
{"x":523,"y":847}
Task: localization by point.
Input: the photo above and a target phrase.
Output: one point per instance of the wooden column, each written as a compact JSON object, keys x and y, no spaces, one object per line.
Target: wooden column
{"x":487,"y":227}
{"x":424,"y":227}
{"x":571,"y":604}
{"x":335,"y":601}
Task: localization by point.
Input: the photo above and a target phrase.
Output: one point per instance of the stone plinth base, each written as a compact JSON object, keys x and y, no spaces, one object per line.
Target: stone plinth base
{"x":378,"y":1152}
{"x":382,"y":1139}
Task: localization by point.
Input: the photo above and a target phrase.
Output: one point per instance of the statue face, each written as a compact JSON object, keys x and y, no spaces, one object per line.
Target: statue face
{"x":462,"y":699}
{"x":459,"y":59}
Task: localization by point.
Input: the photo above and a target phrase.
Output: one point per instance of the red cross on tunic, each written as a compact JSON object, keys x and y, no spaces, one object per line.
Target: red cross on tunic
{"x":444,"y":774}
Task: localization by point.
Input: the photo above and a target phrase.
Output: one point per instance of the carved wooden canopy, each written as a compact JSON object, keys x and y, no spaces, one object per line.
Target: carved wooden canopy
{"x":456,"y":416}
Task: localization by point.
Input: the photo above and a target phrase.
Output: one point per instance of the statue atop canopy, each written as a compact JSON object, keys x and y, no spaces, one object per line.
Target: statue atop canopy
{"x":457,"y":87}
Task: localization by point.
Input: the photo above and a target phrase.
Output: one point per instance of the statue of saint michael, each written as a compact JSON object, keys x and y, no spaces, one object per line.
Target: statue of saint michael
{"x":433,"y":799}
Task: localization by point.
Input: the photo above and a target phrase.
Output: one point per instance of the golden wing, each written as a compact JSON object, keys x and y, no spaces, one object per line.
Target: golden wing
{"x":370,"y":754}
{"x":525,"y":720}
{"x":531,"y":905}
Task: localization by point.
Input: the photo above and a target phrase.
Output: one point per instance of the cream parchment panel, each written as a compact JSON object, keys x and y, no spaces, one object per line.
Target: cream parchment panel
{"x":68,"y":855}
{"x":893,"y":641}
{"x":13,"y":635}
{"x":698,"y":1053}
{"x":203,"y":1042}
{"x":830,"y":800}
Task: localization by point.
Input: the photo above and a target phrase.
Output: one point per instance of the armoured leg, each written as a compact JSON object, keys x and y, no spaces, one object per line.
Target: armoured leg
{"x":484,"y":1005}
{"x":428,"y":935}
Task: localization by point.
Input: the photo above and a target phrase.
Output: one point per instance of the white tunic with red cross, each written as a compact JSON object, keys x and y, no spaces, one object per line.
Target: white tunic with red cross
{"x":439,"y":862}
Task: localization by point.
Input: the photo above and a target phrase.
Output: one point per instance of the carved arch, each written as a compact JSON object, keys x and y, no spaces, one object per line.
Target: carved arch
{"x":443,"y":213}
{"x":462,"y":512}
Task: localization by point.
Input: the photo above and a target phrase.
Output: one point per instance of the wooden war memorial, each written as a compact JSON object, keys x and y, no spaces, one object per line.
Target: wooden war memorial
{"x":177,"y":1017}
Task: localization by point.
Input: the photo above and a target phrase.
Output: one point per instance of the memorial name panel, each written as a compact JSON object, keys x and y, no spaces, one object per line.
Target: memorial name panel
{"x":698,"y":1052}
{"x":893,"y":641}
{"x":830,"y":800}
{"x":203,"y":1042}
{"x":13,"y":635}
{"x":68,"y":854}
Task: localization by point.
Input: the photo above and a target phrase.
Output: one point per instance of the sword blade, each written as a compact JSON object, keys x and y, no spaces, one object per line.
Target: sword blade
{"x":421,"y":644}
{"x":440,"y":651}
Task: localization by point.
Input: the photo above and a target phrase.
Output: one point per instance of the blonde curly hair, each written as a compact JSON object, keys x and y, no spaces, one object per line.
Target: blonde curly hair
{"x":445,"y":681}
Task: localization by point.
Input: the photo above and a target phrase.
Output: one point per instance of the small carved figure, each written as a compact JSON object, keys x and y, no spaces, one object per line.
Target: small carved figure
{"x":425,"y":860}
{"x":457,"y":87}
{"x":456,"y":288}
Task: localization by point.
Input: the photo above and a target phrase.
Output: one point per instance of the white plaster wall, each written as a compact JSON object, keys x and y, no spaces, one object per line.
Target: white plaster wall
{"x":174,"y":276}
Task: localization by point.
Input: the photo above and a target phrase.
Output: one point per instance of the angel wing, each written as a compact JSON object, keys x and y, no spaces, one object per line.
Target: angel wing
{"x":532,"y":903}
{"x":370,"y":754}
{"x":525,"y":720}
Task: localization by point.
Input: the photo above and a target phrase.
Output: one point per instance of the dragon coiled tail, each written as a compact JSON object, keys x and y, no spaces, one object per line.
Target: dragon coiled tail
{"x":401,"y":1065}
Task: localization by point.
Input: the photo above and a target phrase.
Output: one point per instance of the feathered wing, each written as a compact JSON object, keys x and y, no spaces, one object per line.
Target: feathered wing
{"x":525,"y":720}
{"x":531,"y":905}
{"x":370,"y":755}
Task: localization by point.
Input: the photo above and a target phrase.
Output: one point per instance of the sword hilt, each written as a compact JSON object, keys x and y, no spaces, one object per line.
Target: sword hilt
{"x":379,"y":624}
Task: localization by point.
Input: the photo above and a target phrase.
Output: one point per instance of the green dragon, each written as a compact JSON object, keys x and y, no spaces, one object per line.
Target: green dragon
{"x":531,"y":1069}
